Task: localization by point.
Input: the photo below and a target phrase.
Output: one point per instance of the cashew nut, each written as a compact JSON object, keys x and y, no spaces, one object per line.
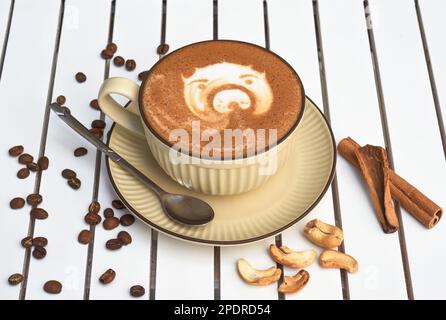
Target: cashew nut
{"x":323,"y":234}
{"x":255,"y":276}
{"x":336,"y":259}
{"x":294,"y":283}
{"x":292,"y":259}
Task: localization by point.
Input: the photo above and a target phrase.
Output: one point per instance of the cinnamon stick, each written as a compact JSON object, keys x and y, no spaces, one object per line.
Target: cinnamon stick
{"x":410,"y":198}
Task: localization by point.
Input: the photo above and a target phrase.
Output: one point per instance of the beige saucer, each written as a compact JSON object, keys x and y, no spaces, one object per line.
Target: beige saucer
{"x":279,"y":203}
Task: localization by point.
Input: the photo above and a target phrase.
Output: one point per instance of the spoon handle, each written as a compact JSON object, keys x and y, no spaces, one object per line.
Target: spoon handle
{"x":65,"y":115}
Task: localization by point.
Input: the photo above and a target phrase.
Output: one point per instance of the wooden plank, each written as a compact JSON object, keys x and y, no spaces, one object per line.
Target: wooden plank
{"x":414,"y":133}
{"x":296,"y":17}
{"x":24,"y":97}
{"x":355,"y":112}
{"x":85,"y":26}
{"x":187,"y":22}
{"x":137,"y":33}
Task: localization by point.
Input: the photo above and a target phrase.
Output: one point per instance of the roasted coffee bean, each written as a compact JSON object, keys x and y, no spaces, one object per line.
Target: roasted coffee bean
{"x":108,"y":213}
{"x":94,"y":104}
{"x":27,"y":242}
{"x":112,"y":47}
{"x":107,"y":54}
{"x":74,"y":183}
{"x":43,"y":163}
{"x":15,"y":279}
{"x":25,"y":158}
{"x":110,"y":223}
{"x":84,"y":237}
{"x":92,"y":219}
{"x":80,"y":77}
{"x":118,"y":61}
{"x":98,"y":133}
{"x":15,"y":151}
{"x":117,"y":204}
{"x":124,"y":237}
{"x":108,"y":276}
{"x":23,"y":173}
{"x":94,"y":207}
{"x":127,"y":220}
{"x":143,"y":75}
{"x":17,"y":203}
{"x":39,"y":252}
{"x":40,"y":242}
{"x":99,"y":124}
{"x":81,"y":151}
{"x":68,"y":174}
{"x":52,"y":286}
{"x":34,"y":167}
{"x":34,"y":199}
{"x":130,"y":64}
{"x":113,"y":244}
{"x":61,"y":100}
{"x":137,"y":291}
{"x":162,"y":48}
{"x":39,"y":213}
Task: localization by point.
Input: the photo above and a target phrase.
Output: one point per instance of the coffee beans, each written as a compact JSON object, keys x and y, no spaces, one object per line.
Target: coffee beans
{"x":162,"y":48}
{"x":106,"y":54}
{"x":98,"y":133}
{"x":127,"y":220}
{"x":68,"y":174}
{"x":74,"y":183}
{"x":94,"y":207}
{"x":15,"y":279}
{"x":99,"y":124}
{"x":34,"y":199}
{"x":107,"y":277}
{"x":130,"y":64}
{"x":137,"y":291}
{"x":17,"y":203}
{"x":110,"y":223}
{"x":61,"y":100}
{"x":39,"y":252}
{"x":52,"y":286}
{"x":94,"y":104}
{"x":113,"y":244}
{"x":92,"y":219}
{"x":40,"y":242}
{"x":33,"y":167}
{"x":27,"y":242}
{"x":108,"y":213}
{"x":43,"y":163}
{"x":81,"y":151}
{"x":39,"y":213}
{"x":117,"y":204}
{"x":80,"y":77}
{"x":112,"y":47}
{"x":23,"y":173}
{"x":25,"y":158}
{"x":15,"y":151}
{"x":143,"y":75}
{"x":118,"y":61}
{"x":85,"y":237}
{"x":124,"y":237}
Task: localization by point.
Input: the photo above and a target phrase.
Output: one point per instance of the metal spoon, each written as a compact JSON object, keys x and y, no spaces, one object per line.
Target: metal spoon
{"x":180,"y":208}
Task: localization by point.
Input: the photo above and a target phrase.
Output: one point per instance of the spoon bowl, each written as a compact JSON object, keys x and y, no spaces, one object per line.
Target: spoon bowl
{"x":187,"y":210}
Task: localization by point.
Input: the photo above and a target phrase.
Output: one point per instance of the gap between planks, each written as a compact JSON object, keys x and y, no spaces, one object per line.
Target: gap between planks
{"x":6,"y":39}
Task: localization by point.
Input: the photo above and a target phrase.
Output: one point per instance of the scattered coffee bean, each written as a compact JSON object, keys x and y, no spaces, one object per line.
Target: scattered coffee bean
{"x":15,"y":151}
{"x":17,"y":203}
{"x":15,"y":279}
{"x":43,"y":163}
{"x":92,"y":219}
{"x":124,"y":237}
{"x":162,"y":48}
{"x":39,"y":213}
{"x":68,"y":174}
{"x":34,"y":199}
{"x":52,"y":286}
{"x":130,"y":64}
{"x":99,"y":124}
{"x":118,"y":61}
{"x":74,"y":183}
{"x":40,"y":242}
{"x":94,"y":104}
{"x":39,"y":252}
{"x":80,"y":77}
{"x":84,"y":236}
{"x":33,"y":166}
{"x":127,"y":220}
{"x":110,"y":223}
{"x":117,"y":204}
{"x":137,"y":291}
{"x":27,"y":242}
{"x":108,"y":213}
{"x":108,"y":276}
{"x":112,"y":47}
{"x":25,"y":158}
{"x":98,"y":133}
{"x":143,"y":75}
{"x":61,"y":100}
{"x":94,"y":207}
{"x":23,"y":173}
{"x":113,"y":244}
{"x":107,"y":54}
{"x":81,"y":151}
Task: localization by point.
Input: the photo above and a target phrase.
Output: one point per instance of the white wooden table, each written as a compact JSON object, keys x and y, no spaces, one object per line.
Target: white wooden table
{"x":376,"y":68}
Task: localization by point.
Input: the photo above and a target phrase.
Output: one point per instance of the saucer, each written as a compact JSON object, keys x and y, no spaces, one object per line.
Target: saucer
{"x":268,"y":210}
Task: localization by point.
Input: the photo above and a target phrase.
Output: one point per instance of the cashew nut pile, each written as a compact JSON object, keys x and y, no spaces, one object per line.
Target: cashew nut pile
{"x":320,"y":233}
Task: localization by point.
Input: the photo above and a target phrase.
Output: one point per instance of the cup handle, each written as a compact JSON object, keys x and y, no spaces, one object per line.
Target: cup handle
{"x":128,"y":117}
